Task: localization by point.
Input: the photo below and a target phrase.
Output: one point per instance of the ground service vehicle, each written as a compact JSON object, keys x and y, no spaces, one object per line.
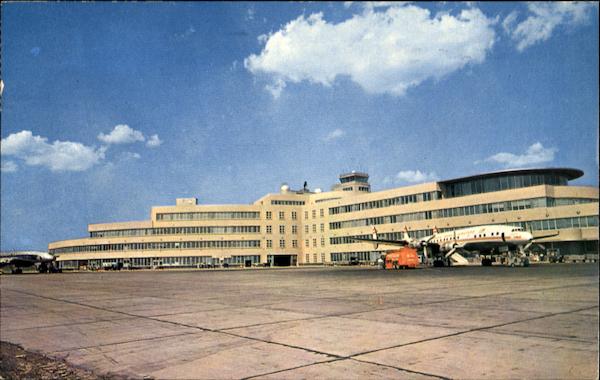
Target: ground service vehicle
{"x":405,"y":257}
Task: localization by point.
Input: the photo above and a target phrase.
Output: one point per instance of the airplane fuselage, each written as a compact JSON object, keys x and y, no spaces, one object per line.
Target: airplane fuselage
{"x":480,"y":238}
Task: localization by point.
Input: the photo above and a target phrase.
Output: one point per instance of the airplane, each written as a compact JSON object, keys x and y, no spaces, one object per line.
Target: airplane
{"x":488,"y":240}
{"x":23,"y":259}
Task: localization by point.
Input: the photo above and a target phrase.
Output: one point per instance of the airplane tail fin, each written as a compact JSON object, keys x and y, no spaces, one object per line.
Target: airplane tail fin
{"x":405,"y":235}
{"x":376,"y":245}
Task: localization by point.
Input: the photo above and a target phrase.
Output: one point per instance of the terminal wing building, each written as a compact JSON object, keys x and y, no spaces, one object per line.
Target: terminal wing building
{"x":303,"y":227}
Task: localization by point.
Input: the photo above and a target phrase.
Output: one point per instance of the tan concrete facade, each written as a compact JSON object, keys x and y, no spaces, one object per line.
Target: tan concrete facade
{"x":313,"y":227}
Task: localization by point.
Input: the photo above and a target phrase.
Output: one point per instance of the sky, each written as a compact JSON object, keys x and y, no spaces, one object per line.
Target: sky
{"x":109,"y":109}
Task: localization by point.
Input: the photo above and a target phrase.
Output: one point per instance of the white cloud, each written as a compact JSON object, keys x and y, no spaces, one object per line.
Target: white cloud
{"x":384,"y":51}
{"x":544,"y":18}
{"x":415,"y":176}
{"x":122,"y":134}
{"x":57,"y":156}
{"x":9,"y":167}
{"x":535,"y":154}
{"x":250,"y":12}
{"x":276,"y":87}
{"x":509,"y":21}
{"x":153,"y":141}
{"x":335,"y":134}
{"x":127,"y":156}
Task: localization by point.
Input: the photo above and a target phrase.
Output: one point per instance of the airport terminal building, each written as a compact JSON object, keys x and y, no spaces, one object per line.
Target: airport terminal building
{"x":303,"y":227}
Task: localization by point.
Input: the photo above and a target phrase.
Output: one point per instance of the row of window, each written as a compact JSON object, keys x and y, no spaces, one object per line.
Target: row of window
{"x":378,"y":220}
{"x":314,"y":258}
{"x":220,"y":244}
{"x":522,"y":204}
{"x":282,"y":243}
{"x":314,"y":228}
{"x":287,"y":203}
{"x":534,"y":225}
{"x":327,"y":199}
{"x":388,"y":202}
{"x":505,"y":182}
{"x":147,"y":262}
{"x":204,"y":215}
{"x":559,"y":224}
{"x":269,"y":229}
{"x":269,"y":215}
{"x":462,"y":211}
{"x":362,"y":256}
{"x":177,"y":231}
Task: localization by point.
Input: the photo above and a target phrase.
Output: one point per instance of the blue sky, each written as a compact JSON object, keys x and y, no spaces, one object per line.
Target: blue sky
{"x":111,"y":108}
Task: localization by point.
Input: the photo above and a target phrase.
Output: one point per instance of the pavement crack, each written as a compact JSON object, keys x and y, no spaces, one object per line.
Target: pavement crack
{"x":474,"y":330}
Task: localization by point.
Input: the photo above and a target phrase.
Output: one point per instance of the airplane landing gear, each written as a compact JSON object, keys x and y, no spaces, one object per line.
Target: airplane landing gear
{"x":438,"y":263}
{"x":486,"y":262}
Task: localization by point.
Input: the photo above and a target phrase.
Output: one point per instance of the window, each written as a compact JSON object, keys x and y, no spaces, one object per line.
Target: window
{"x":322,"y":241}
{"x":294,"y":215}
{"x":269,"y":243}
{"x":322,"y":257}
{"x":307,"y":258}
{"x":314,"y":229}
{"x":294,"y":229}
{"x":305,"y":214}
{"x":281,"y":215}
{"x":294,"y":243}
{"x":269,"y":229}
{"x":322,"y":227}
{"x":281,"y":243}
{"x":314,"y":214}
{"x":306,"y":228}
{"x":269,"y":215}
{"x":306,"y":243}
{"x":282,"y":229}
{"x":314,"y":257}
{"x":314,"y":242}
{"x":322,"y":213}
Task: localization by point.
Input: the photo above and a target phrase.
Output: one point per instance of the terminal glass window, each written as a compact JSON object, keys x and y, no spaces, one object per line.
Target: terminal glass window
{"x":269,"y":229}
{"x":282,"y":243}
{"x":282,"y":229}
{"x":294,"y":215}
{"x":281,"y":215}
{"x":294,"y":229}
{"x":269,"y":215}
{"x":502,"y":182}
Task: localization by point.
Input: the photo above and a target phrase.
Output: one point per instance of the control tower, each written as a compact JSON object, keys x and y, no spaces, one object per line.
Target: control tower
{"x":353,"y":181}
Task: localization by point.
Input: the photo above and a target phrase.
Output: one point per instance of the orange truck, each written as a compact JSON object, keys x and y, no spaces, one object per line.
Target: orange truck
{"x":405,"y":257}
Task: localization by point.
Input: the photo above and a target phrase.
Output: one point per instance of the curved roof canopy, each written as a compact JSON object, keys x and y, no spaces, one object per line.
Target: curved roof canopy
{"x":569,"y":173}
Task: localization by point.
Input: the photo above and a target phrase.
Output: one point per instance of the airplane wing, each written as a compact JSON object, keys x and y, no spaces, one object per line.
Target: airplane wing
{"x":544,"y":236}
{"x":16,"y":262}
{"x":382,"y":241}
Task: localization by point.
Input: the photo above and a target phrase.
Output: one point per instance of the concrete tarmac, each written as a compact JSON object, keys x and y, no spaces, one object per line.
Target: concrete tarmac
{"x":539,"y":322}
